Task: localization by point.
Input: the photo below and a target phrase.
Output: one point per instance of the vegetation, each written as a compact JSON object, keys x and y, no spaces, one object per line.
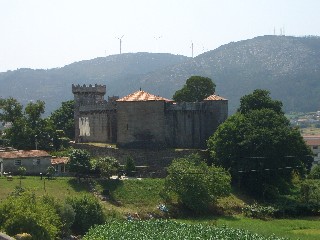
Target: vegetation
{"x":143,"y":196}
{"x":260,"y":147}
{"x":63,"y":118}
{"x":196,"y":89}
{"x":107,"y":166}
{"x":130,"y":167}
{"x":29,"y":130}
{"x":168,"y":230}
{"x":27,"y":214}
{"x":196,"y":184}
{"x":88,"y":212}
{"x":79,"y":162}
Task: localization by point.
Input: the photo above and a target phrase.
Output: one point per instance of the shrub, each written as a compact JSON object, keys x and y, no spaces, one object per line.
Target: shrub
{"x":196,"y":185}
{"x":88,"y":212}
{"x":258,"y":211}
{"x":107,"y":166}
{"x":130,"y":167}
{"x":315,"y":172}
{"x":27,"y":214}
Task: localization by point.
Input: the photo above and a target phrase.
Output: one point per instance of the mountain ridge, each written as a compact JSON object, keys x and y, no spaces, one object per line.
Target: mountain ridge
{"x":289,"y":67}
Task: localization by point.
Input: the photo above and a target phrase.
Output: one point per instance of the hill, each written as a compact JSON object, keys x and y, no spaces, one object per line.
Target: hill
{"x":118,"y":72}
{"x":287,"y":66}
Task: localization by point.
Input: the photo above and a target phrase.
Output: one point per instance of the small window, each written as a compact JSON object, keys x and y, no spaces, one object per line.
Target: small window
{"x":17,"y":162}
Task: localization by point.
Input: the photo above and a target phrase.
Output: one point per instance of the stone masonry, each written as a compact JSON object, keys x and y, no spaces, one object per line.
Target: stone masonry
{"x":143,"y":120}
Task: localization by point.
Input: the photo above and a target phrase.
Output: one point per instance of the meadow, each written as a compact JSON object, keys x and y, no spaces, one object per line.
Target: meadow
{"x":143,"y":197}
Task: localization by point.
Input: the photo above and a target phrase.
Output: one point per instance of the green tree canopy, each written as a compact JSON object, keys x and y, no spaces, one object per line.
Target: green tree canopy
{"x":107,"y":166}
{"x":261,"y":150}
{"x":79,"y":162}
{"x":259,"y":99}
{"x":196,"y":89}
{"x":63,"y":118}
{"x":196,"y":184}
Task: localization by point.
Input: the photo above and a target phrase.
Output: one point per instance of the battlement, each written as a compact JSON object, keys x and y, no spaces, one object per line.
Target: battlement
{"x":101,"y":89}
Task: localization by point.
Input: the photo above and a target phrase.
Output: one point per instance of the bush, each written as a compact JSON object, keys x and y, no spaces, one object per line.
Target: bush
{"x":196,"y":185}
{"x":106,"y":166}
{"x":258,"y":211}
{"x":26,"y":214}
{"x":315,"y":172}
{"x":130,"y":167}
{"x":88,"y":212}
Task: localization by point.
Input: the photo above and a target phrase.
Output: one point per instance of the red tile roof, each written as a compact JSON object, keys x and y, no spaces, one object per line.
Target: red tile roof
{"x":142,"y":96}
{"x":59,"y":160}
{"x":312,"y":140}
{"x":214,"y":98}
{"x":23,"y":154}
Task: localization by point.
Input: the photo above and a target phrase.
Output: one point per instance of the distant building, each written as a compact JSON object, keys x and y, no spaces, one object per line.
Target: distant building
{"x":35,"y":161}
{"x":143,"y":120}
{"x":313,"y":141}
{"x":60,"y":165}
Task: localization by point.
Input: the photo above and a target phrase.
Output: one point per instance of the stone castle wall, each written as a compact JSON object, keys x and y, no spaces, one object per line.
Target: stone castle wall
{"x":141,"y":124}
{"x":144,"y":124}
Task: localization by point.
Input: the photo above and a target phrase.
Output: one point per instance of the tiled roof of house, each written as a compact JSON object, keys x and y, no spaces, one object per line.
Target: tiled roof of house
{"x":142,"y":96}
{"x":312,"y":140}
{"x":214,"y":98}
{"x":59,"y":160}
{"x":23,"y":154}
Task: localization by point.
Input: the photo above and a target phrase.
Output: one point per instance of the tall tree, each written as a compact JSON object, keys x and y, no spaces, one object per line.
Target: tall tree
{"x":261,"y":150}
{"x":63,"y":118}
{"x":28,"y":130}
{"x":79,"y":162}
{"x":259,"y":99}
{"x":196,"y":89}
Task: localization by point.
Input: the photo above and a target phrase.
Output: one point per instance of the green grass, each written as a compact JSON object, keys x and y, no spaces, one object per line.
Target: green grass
{"x":142,"y":196}
{"x":57,"y":187}
{"x":132,"y":195}
{"x":303,"y":229}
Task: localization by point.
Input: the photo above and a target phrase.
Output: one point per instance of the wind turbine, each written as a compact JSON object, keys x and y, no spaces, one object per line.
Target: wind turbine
{"x":120,"y":39}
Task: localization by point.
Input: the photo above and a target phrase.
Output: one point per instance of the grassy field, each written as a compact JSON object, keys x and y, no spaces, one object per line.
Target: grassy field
{"x":58,"y":187}
{"x":142,"y":196}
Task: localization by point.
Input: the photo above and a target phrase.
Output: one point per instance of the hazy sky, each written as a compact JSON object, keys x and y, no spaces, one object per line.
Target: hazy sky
{"x":53,"y":33}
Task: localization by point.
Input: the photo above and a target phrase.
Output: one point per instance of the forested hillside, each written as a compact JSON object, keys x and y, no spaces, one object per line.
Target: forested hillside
{"x":287,"y":66}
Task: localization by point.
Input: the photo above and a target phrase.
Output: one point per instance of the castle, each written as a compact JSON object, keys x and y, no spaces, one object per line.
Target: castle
{"x":143,"y":120}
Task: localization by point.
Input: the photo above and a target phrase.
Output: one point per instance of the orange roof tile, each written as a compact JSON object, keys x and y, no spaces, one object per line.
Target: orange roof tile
{"x":59,"y":160}
{"x":214,"y":98}
{"x":312,"y":141}
{"x":23,"y":154}
{"x":142,"y":96}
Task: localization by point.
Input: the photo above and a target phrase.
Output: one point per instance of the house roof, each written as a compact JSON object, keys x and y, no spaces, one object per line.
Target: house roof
{"x":214,"y":98}
{"x":140,"y":96}
{"x":23,"y":154}
{"x":59,"y":160}
{"x":312,"y":141}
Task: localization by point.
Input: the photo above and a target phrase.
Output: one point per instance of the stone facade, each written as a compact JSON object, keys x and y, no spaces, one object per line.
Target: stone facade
{"x":143,"y":120}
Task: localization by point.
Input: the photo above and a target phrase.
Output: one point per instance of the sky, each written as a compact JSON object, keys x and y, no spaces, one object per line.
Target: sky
{"x":43,"y":34}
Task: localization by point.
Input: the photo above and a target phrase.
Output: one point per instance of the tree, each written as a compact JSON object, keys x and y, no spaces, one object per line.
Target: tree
{"x":63,"y":118}
{"x":261,"y":150}
{"x":11,"y":110}
{"x":79,"y":162}
{"x":259,"y":99}
{"x":107,"y":166}
{"x":28,"y":130}
{"x":196,"y":184}
{"x":196,"y":89}
{"x":88,"y":212}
